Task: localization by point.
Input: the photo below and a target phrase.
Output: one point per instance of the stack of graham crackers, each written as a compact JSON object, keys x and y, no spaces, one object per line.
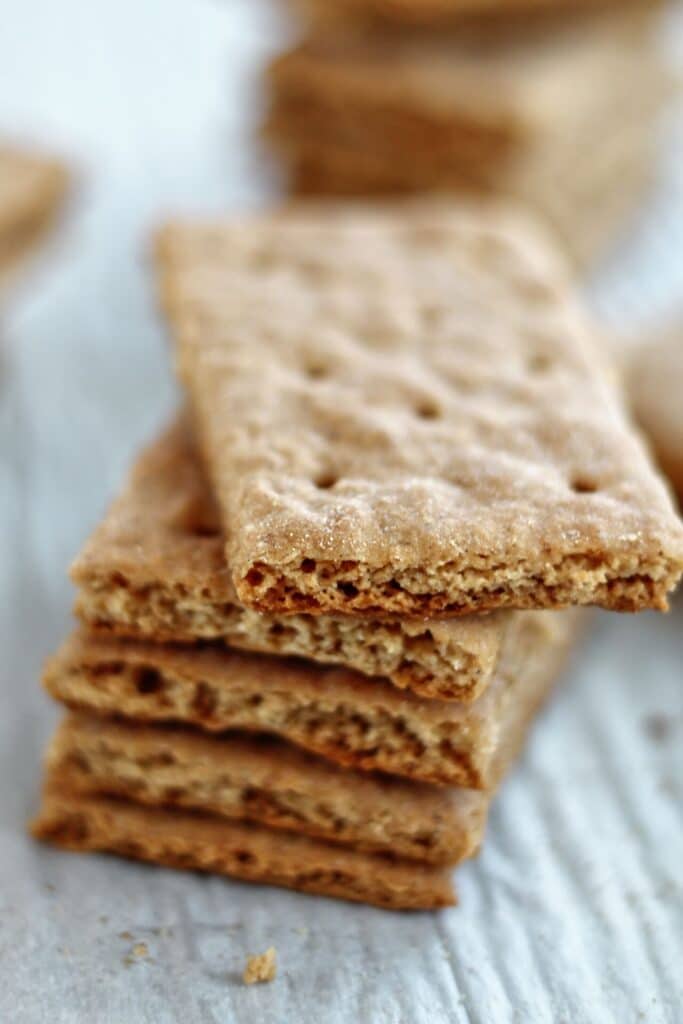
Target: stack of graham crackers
{"x":555,"y":108}
{"x":319,"y":620}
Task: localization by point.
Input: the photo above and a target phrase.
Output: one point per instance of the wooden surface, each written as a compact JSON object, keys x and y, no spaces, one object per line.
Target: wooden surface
{"x":574,"y":911}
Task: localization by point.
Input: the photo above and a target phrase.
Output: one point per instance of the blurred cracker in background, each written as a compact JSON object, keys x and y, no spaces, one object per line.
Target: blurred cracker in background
{"x":33,"y":187}
{"x":559,"y":112}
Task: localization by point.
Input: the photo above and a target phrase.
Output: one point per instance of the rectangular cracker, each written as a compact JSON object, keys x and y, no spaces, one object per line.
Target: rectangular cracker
{"x":346,"y":717}
{"x":403,"y":411}
{"x":32,"y":187}
{"x":263,"y":780}
{"x":155,"y":570}
{"x":181,"y":839}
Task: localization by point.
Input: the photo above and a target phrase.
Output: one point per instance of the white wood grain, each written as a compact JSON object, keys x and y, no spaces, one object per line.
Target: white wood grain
{"x":574,"y":911}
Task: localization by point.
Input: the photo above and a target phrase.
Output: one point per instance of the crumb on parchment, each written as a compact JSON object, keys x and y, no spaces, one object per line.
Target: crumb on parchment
{"x":260,"y":968}
{"x":138,"y":952}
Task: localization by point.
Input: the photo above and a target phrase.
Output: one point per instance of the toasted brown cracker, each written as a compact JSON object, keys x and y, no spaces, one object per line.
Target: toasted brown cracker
{"x":339,"y":714}
{"x":403,"y":411}
{"x":183,"y":840}
{"x":155,"y":569}
{"x":31,"y":188}
{"x":268,"y":782}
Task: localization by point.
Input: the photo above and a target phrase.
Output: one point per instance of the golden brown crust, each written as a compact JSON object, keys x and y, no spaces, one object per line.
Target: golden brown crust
{"x":155,"y":570}
{"x":370,"y":457}
{"x":352,"y":720}
{"x":204,"y":843}
{"x":265,"y":781}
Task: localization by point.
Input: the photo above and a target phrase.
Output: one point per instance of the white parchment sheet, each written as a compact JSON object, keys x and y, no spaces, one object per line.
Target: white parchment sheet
{"x":574,"y":911}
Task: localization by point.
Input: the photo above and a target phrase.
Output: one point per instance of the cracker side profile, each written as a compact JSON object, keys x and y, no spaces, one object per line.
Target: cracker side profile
{"x":180,"y":839}
{"x":155,"y":570}
{"x":403,"y":411}
{"x":355,"y":721}
{"x":267,"y":782}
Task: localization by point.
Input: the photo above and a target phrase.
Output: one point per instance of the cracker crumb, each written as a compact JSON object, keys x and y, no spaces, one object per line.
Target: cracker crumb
{"x":260,"y":968}
{"x":138,"y":952}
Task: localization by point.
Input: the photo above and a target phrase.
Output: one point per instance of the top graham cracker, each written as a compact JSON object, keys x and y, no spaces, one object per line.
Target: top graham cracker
{"x":403,"y":410}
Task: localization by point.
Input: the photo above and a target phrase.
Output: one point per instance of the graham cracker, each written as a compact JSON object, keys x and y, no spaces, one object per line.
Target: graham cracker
{"x":32,"y":186}
{"x":355,"y":721}
{"x":655,"y":385}
{"x":180,"y":839}
{"x":403,"y":411}
{"x":155,"y":569}
{"x":263,"y":780}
